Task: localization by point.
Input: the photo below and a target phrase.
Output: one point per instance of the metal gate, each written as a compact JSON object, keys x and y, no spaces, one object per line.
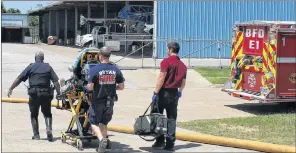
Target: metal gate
{"x":34,"y":33}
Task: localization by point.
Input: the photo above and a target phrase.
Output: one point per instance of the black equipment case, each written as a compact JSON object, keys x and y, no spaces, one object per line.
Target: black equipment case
{"x":154,"y":124}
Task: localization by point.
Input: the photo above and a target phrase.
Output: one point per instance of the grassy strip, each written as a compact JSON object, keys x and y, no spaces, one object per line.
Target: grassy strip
{"x":214,"y":75}
{"x":276,"y":128}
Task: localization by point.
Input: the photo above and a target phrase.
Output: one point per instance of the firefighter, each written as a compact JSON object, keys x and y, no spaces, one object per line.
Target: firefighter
{"x":40,"y":92}
{"x":169,"y":87}
{"x":104,"y":79}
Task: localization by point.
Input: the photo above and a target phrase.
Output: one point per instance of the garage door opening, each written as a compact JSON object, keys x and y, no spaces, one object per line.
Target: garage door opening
{"x":11,"y":35}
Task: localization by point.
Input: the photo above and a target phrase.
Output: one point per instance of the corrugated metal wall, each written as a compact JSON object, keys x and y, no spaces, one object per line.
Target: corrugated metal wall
{"x":212,"y":20}
{"x":19,"y":20}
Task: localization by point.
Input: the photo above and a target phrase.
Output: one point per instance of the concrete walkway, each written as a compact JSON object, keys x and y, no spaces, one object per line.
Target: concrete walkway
{"x":16,"y":136}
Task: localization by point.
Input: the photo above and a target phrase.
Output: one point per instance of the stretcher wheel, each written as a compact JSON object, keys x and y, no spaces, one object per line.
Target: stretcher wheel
{"x":63,"y":139}
{"x":79,"y":145}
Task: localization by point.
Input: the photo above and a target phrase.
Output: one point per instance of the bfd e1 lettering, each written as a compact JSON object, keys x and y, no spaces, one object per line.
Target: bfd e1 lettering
{"x":254,"y":33}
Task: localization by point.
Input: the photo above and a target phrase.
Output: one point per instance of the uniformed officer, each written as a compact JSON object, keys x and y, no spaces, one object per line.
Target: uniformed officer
{"x":104,"y":79}
{"x":40,"y":92}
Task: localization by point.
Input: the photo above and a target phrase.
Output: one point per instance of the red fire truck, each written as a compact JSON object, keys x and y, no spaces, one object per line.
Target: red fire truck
{"x":263,"y":62}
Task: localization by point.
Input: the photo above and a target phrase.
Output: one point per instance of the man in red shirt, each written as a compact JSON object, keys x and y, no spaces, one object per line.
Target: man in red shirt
{"x":169,"y":87}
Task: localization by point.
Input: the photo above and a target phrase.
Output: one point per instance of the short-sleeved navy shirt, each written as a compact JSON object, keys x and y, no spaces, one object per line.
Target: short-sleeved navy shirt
{"x":105,"y":76}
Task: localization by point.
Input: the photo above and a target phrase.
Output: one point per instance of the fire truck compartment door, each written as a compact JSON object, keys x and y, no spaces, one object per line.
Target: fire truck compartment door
{"x":286,"y":65}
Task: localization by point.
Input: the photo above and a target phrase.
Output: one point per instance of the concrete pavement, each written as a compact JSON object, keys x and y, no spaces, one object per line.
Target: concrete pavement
{"x":16,"y":136}
{"x":197,"y":102}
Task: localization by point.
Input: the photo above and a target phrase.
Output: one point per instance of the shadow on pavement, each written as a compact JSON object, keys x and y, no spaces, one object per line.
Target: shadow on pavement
{"x":264,"y":109}
{"x":115,"y":146}
{"x":188,"y":145}
{"x":119,"y":147}
{"x":53,"y":140}
{"x":177,"y":147}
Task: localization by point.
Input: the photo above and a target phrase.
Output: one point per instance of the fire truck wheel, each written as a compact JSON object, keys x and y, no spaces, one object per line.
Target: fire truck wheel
{"x":288,"y":104}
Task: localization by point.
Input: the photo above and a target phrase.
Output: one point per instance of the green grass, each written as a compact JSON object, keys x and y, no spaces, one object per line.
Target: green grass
{"x":215,"y":75}
{"x":277,"y":129}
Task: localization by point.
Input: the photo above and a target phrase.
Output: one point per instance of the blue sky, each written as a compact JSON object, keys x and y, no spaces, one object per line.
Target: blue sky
{"x":23,"y":6}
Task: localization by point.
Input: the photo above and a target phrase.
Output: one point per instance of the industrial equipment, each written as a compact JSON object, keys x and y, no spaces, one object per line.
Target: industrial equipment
{"x":114,"y":32}
{"x":123,"y":29}
{"x":142,"y":13}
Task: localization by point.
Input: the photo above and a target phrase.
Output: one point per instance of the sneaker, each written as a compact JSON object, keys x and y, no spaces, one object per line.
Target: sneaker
{"x":102,"y":147}
{"x":158,"y":144}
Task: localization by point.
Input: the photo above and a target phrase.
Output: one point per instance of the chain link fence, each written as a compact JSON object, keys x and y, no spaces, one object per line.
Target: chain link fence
{"x":34,"y":34}
{"x":142,"y":51}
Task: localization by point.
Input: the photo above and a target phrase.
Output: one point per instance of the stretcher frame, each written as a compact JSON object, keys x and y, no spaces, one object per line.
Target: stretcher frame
{"x":80,"y":134}
{"x":71,"y":134}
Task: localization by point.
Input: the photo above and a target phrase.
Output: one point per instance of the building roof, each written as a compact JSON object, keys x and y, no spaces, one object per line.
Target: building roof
{"x":112,"y":5}
{"x":14,"y":20}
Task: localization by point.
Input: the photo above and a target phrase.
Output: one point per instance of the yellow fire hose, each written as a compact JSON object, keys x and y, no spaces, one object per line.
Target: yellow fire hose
{"x":195,"y":137}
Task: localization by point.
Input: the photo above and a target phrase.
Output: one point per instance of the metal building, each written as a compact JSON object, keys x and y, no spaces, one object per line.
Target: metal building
{"x":62,"y":19}
{"x":14,"y":27}
{"x":198,"y":25}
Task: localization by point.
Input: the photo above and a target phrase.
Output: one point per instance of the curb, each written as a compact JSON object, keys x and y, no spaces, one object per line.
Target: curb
{"x":217,"y":85}
{"x":195,"y":137}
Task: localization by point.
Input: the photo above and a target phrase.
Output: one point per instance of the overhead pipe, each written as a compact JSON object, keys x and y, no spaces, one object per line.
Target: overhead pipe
{"x":196,"y":137}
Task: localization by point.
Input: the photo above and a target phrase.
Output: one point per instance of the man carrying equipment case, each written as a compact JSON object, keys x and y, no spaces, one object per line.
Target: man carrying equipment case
{"x":154,"y":124}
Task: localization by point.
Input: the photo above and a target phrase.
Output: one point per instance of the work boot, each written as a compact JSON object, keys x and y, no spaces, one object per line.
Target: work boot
{"x":158,"y":144}
{"x":169,"y":144}
{"x":48,"y":123}
{"x":35,"y":127}
{"x":169,"y":147}
{"x":102,"y":146}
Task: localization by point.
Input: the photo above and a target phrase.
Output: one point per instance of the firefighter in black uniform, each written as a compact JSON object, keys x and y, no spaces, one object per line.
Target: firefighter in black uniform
{"x":40,"y":92}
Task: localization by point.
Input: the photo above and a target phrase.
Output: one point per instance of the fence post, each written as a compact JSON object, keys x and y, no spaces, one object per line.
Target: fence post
{"x":155,"y":52}
{"x":142,"y":52}
{"x":219,"y":52}
{"x":94,"y":38}
{"x":126,"y":31}
{"x":189,"y":53}
{"x":104,"y":39}
{"x":155,"y":62}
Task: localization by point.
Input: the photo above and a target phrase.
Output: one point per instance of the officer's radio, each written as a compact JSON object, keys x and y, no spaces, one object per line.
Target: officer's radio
{"x":51,"y":91}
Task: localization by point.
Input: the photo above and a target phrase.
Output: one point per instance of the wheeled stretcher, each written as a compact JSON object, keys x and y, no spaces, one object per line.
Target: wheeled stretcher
{"x":79,"y":118}
{"x":77,"y":101}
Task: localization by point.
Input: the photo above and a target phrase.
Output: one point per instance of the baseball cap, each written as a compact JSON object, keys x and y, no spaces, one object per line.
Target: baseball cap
{"x":105,"y":51}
